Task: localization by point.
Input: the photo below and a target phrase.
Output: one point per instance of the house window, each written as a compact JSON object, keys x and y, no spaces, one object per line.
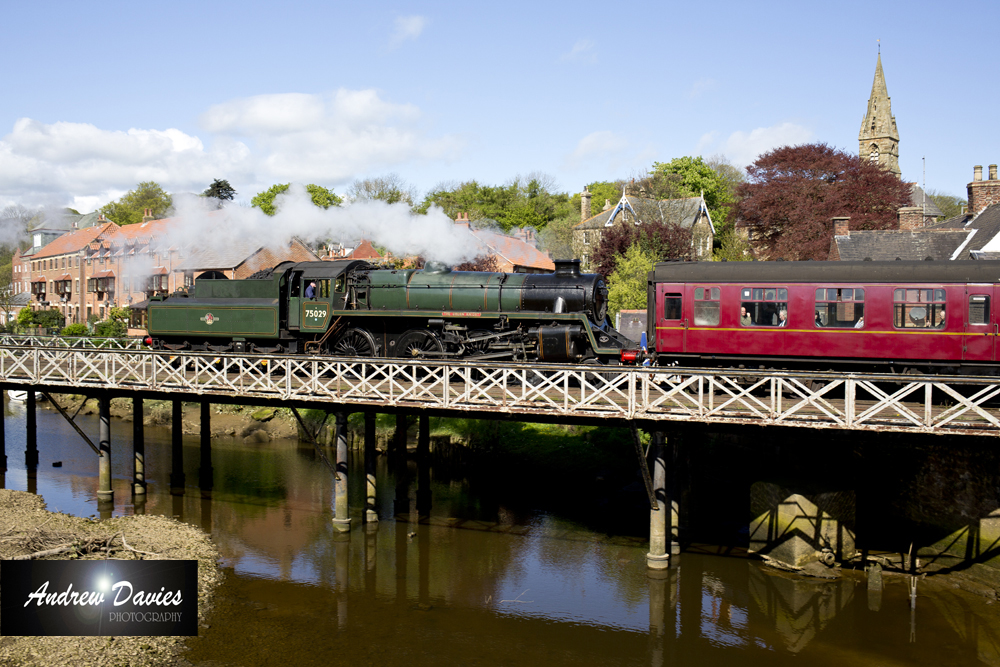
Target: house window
{"x":840,"y":307}
{"x":706,"y":306}
{"x":915,"y":308}
{"x":764,"y":306}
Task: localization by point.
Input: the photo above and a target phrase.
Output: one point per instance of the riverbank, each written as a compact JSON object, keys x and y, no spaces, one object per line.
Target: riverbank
{"x":26,"y":528}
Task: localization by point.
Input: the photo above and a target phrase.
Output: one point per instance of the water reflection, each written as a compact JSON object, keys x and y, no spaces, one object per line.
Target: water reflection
{"x":465,"y":579}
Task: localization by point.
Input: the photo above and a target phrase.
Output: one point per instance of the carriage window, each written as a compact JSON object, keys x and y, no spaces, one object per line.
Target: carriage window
{"x":672,"y":307}
{"x":706,"y":306}
{"x":979,"y":309}
{"x":840,"y":307}
{"x":918,"y":308}
{"x":763,"y":307}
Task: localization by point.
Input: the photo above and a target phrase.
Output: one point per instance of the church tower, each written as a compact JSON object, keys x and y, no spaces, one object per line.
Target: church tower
{"x":878,"y":140}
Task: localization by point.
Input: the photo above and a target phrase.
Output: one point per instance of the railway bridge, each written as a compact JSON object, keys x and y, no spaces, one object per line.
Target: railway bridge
{"x":656,"y":400}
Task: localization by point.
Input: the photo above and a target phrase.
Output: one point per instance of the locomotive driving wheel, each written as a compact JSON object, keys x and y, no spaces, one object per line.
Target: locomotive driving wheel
{"x":356,"y":343}
{"x":416,"y":344}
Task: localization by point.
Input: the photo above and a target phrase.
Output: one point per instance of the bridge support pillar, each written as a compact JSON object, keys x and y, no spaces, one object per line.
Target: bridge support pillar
{"x":31,"y":435}
{"x":104,"y":490}
{"x":342,"y":514}
{"x":205,"y":472}
{"x":371,"y":513}
{"x":424,"y":466}
{"x":401,"y":505}
{"x":176,"y":450}
{"x":138,"y":449}
{"x":658,"y":557}
{"x":3,"y":439}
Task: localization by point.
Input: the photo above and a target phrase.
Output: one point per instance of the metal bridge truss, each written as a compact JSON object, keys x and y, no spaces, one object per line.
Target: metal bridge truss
{"x":925,"y":404}
{"x":81,"y":342}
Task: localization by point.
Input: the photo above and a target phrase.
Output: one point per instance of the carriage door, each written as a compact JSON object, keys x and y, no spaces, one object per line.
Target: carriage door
{"x":294,"y":300}
{"x":980,"y":324}
{"x":670,"y":325}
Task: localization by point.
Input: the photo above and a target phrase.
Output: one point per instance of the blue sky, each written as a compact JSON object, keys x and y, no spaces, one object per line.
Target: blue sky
{"x":98,"y":96}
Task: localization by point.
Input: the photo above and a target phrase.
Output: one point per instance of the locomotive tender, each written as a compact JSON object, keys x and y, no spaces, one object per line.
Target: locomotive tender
{"x":888,"y":316}
{"x":359,"y":310}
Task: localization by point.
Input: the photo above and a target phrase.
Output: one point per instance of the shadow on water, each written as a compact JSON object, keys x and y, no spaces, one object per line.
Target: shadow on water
{"x":481,"y":579}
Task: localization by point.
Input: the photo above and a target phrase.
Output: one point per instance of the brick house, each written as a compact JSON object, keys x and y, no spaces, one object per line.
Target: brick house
{"x":688,"y":213}
{"x":514,"y":253}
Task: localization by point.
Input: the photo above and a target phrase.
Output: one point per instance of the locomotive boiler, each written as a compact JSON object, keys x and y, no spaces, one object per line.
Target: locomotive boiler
{"x":356,"y":309}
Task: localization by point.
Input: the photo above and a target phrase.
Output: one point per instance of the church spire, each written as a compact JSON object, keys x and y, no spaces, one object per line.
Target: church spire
{"x":878,"y":139}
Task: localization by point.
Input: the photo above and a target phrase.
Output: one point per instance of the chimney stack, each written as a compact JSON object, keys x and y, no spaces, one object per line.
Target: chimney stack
{"x":841,"y":227}
{"x":462,"y":220}
{"x":983,"y":194}
{"x":147,"y":214}
{"x":585,"y":204}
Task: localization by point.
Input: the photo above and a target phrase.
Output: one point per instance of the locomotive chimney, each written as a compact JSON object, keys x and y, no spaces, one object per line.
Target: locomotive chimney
{"x":841,"y":227}
{"x":567,"y":267}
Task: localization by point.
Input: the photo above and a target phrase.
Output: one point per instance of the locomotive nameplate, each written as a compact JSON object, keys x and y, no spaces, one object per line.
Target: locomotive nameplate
{"x":460,"y":314}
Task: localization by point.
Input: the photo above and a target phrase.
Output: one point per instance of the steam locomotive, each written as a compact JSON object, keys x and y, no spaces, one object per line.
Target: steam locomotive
{"x":353,"y":308}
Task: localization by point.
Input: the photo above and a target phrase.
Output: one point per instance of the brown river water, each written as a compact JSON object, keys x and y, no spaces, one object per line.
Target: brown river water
{"x":481,"y":581}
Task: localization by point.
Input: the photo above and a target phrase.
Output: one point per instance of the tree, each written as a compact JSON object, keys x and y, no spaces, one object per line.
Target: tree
{"x":733,"y":247}
{"x":662,"y":240}
{"x":522,"y":202}
{"x":557,"y":236}
{"x":792,"y":192}
{"x":697,"y":177}
{"x":627,"y":283}
{"x":51,"y":318}
{"x":130,"y":208}
{"x":320,"y":196}
{"x":389,"y":188}
{"x":221,"y":190}
{"x":950,"y":205}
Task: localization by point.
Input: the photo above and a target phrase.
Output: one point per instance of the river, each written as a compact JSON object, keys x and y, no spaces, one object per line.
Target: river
{"x":482,"y":579}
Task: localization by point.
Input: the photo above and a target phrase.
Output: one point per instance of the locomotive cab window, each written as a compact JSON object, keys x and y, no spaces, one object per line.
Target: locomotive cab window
{"x":763,"y":307}
{"x":918,"y":308}
{"x":672,"y":306}
{"x":979,"y":309}
{"x":840,"y":307}
{"x":706,"y":306}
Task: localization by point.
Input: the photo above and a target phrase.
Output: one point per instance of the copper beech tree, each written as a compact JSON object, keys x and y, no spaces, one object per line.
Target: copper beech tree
{"x":792,"y":192}
{"x":662,"y":240}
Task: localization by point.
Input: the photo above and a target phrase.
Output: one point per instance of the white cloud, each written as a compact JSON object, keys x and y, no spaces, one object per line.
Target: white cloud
{"x":582,"y":51}
{"x":597,"y":146}
{"x":256,"y":141}
{"x":744,"y":147}
{"x":405,"y":29}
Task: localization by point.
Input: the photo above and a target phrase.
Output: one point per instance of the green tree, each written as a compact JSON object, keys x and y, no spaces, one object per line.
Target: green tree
{"x":25,"y":318}
{"x":129,"y":209}
{"x":389,"y":188}
{"x":697,"y":176}
{"x":78,"y":329}
{"x":627,"y":283}
{"x":733,"y":247}
{"x":950,"y":205}
{"x":320,"y":196}
{"x":523,"y":202}
{"x":220,"y":189}
{"x":52,"y":319}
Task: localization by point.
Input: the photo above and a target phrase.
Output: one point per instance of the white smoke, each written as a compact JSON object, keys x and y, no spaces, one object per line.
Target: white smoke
{"x":433,"y":236}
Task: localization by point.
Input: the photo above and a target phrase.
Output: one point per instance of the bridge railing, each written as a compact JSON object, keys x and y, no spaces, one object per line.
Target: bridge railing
{"x":946,"y":405}
{"x":80,"y":342}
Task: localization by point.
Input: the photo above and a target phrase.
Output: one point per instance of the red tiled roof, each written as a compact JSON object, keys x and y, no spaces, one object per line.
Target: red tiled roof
{"x":158,"y":271}
{"x":65,"y":276}
{"x":365,"y":250}
{"x":104,"y":274}
{"x":515,"y":250}
{"x":74,"y":241}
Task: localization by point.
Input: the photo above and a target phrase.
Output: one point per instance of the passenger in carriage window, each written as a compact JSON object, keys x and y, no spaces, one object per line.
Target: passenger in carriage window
{"x":861,"y":323}
{"x":745,"y":319}
{"x":819,"y":320}
{"x":782,"y":318}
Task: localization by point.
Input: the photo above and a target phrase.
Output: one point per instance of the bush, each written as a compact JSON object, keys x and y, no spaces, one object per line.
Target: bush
{"x":78,"y":329}
{"x":110,"y":329}
{"x":51,"y":319}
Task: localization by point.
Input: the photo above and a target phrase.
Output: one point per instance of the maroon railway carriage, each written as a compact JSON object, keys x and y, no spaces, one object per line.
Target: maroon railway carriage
{"x":889,"y":316}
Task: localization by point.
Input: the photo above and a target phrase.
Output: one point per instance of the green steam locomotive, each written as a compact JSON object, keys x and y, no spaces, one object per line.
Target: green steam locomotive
{"x":352,"y":308}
